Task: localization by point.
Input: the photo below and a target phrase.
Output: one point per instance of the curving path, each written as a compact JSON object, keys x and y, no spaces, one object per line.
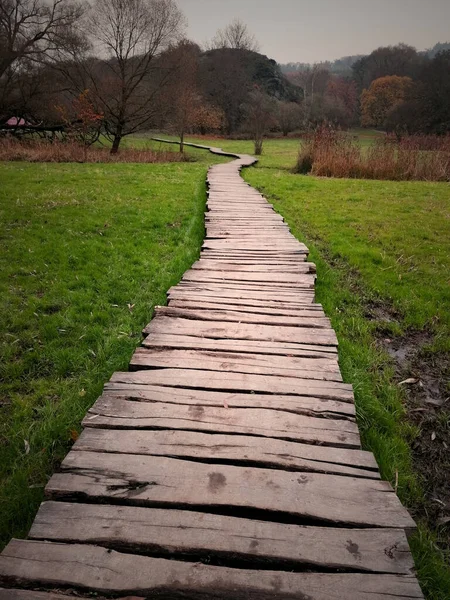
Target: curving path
{"x":226,"y":464}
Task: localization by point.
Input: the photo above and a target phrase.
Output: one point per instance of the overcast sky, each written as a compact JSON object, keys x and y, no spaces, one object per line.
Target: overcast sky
{"x":316,"y":30}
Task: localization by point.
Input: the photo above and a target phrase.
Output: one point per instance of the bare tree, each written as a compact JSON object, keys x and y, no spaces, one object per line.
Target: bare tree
{"x":314,"y":80}
{"x":290,"y":115}
{"x":35,"y":29}
{"x":235,"y":35}
{"x":186,"y":107}
{"x":182,"y":98}
{"x":130,"y":37}
{"x":260,"y":111}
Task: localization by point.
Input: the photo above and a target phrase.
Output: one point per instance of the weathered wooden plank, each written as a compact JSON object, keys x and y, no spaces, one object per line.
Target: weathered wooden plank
{"x":243,"y":222}
{"x":246,"y":421}
{"x":242,"y":331}
{"x":319,"y":369}
{"x":292,"y":288}
{"x":320,"y":362}
{"x":301,"y":405}
{"x":254,"y":255}
{"x":223,"y":221}
{"x":176,"y":532}
{"x":232,"y":264}
{"x":238,"y":382}
{"x":239,"y":235}
{"x":208,"y":264}
{"x":318,"y":321}
{"x":218,"y":230}
{"x":109,"y":572}
{"x":249,"y":245}
{"x":280,"y":291}
{"x":246,"y":218}
{"x":306,"y":297}
{"x":250,"y":256}
{"x":231,"y":233}
{"x":269,"y":304}
{"x":241,"y":346}
{"x":161,"y":481}
{"x":252,"y":266}
{"x":214,"y":303}
{"x":217,"y":448}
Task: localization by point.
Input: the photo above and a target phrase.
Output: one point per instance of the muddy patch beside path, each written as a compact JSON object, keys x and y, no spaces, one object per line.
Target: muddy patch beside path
{"x":424,"y":376}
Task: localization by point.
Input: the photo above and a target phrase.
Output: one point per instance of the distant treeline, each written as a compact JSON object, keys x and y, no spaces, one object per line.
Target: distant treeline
{"x":89,"y":70}
{"x":395,"y":88}
{"x":343,"y":66}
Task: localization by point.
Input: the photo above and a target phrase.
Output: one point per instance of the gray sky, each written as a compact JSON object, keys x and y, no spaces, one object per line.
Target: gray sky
{"x":316,"y":30}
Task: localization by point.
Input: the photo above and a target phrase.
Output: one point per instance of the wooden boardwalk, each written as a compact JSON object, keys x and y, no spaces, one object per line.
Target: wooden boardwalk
{"x":226,"y":464}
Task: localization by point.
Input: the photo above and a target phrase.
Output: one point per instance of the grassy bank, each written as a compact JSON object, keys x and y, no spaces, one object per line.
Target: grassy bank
{"x":86,"y":252}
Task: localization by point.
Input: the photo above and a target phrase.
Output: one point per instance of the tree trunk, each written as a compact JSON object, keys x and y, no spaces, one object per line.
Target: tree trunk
{"x":116,"y":143}
{"x":182,"y":142}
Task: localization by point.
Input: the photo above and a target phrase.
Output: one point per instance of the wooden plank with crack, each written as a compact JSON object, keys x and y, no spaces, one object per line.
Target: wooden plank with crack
{"x":160,"y":481}
{"x":246,"y":421}
{"x":105,"y":571}
{"x":205,"y":303}
{"x":238,"y":382}
{"x":307,"y":368}
{"x":317,"y":321}
{"x":241,"y":331}
{"x":223,"y":449}
{"x":301,"y":405}
{"x":198,"y":535}
{"x":270,"y":290}
{"x":272,"y":298}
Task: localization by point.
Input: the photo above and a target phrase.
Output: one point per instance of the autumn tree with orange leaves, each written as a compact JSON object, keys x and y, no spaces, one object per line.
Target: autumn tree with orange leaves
{"x":383,"y":96}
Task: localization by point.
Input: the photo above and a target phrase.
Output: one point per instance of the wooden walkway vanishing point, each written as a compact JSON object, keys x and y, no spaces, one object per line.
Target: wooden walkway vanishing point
{"x":226,"y":464}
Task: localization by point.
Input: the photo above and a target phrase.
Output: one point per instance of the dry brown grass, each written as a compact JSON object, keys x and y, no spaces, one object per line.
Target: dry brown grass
{"x":70,"y":151}
{"x":329,"y":153}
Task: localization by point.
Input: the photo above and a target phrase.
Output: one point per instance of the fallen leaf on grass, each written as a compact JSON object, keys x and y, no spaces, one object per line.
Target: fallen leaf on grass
{"x":74,"y":435}
{"x":27,"y":446}
{"x":130,"y":307}
{"x":82,"y":393}
{"x":433,"y":436}
{"x":410,"y":381}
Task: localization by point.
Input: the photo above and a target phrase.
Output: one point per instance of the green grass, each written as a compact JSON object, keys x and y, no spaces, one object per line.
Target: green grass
{"x":86,"y":252}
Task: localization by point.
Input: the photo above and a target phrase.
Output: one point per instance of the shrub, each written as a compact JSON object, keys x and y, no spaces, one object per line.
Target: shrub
{"x":330,"y":153}
{"x":72,"y":151}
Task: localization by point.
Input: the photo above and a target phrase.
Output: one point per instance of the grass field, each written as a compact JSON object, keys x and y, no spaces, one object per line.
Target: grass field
{"x":86,"y":252}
